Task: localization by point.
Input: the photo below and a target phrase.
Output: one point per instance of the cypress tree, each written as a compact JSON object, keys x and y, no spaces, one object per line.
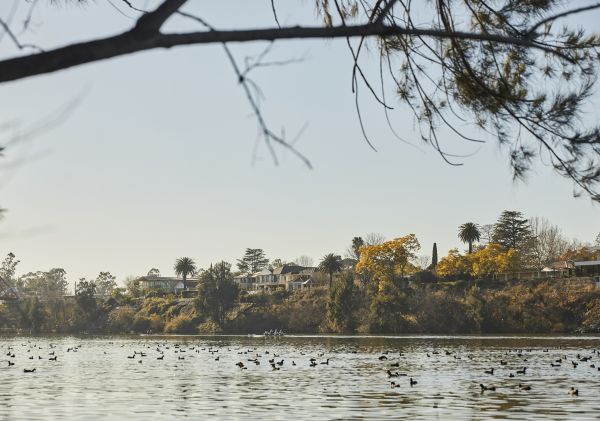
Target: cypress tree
{"x":434,"y":256}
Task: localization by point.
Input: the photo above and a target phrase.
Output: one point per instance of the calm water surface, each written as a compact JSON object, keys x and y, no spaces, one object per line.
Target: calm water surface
{"x":99,"y":381}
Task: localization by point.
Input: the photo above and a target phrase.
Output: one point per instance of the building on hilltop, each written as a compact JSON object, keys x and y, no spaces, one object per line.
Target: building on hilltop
{"x":166,"y":284}
{"x":289,"y":277}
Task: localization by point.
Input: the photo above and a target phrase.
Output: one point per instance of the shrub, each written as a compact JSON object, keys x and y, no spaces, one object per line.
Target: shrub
{"x":181,"y":324}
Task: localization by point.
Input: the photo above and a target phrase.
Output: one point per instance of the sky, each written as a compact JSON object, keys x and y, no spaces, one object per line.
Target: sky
{"x":159,"y":158}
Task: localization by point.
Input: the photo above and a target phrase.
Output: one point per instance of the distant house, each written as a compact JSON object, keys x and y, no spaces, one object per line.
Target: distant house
{"x":559,"y":269}
{"x":245,"y":281}
{"x":167,"y":284}
{"x":287,"y":277}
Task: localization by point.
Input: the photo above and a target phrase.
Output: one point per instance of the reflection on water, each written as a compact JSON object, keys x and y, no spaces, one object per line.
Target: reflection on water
{"x":93,"y":378}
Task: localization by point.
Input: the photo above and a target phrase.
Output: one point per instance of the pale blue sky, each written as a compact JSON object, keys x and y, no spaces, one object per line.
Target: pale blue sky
{"x":156,"y":161}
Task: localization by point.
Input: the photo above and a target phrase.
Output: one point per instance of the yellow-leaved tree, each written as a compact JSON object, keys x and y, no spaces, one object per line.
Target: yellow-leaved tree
{"x":493,"y":260}
{"x":454,"y":264}
{"x":390,"y":259}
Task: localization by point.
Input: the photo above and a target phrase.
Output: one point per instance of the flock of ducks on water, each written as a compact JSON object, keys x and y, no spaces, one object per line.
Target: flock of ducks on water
{"x":253,"y":357}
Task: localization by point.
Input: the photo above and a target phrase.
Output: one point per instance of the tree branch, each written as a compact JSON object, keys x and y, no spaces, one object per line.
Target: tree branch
{"x":131,"y":42}
{"x":152,"y":21}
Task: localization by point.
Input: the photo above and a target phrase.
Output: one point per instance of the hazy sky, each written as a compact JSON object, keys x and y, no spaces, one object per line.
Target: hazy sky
{"x":157,"y":159}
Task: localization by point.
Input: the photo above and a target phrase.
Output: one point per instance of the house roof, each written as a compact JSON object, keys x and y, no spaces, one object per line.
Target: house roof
{"x":285,"y":269}
{"x":588,"y":263}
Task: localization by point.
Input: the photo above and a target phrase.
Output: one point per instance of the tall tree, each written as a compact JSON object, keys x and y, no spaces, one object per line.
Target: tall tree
{"x":434,"y":256}
{"x":513,"y":231}
{"x":253,"y":261}
{"x":154,"y":272}
{"x":9,"y":267}
{"x":305,"y":261}
{"x":217,"y":292}
{"x":184,"y":266}
{"x":549,"y":243}
{"x":105,"y":283}
{"x":353,"y":251}
{"x":330,"y":264}
{"x":341,"y":304}
{"x":469,"y":233}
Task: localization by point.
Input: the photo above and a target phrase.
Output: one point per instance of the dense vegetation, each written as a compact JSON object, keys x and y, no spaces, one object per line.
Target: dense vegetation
{"x":380,"y":287}
{"x":560,"y":306}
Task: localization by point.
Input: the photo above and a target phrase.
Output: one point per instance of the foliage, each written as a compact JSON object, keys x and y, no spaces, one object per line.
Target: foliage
{"x":340,"y":307}
{"x":8,"y":268}
{"x":493,"y":260}
{"x":331,"y":263}
{"x":184,"y":266}
{"x":513,"y":231}
{"x":253,"y":261}
{"x":217,"y":292}
{"x":121,"y":319}
{"x":44,"y":284}
{"x":182,"y":324}
{"x":389,"y":259}
{"x":469,"y":233}
{"x":154,"y":272}
{"x":578,"y":252}
{"x":549,"y":242}
{"x":434,"y":256}
{"x":105,"y":283}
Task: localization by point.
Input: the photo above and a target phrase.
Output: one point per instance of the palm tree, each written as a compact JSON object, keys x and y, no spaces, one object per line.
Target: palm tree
{"x":184,"y":266}
{"x":331,"y":263}
{"x":468,"y":233}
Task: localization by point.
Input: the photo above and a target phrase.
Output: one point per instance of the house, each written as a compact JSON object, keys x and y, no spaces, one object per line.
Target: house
{"x":563,"y":268}
{"x":245,"y":281}
{"x":167,"y":284}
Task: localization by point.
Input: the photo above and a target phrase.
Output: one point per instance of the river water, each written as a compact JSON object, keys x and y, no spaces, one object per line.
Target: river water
{"x":197,"y":377}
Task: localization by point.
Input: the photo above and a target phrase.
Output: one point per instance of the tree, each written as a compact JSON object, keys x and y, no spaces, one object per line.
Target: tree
{"x":434,"y":256}
{"x":548,"y":242}
{"x":51,"y":284}
{"x":513,"y":231}
{"x":374,"y":239}
{"x":353,"y":251}
{"x":598,"y":240}
{"x":275,"y":263}
{"x":486,"y":232}
{"x":154,"y":272}
{"x":217,"y":292}
{"x":331,"y":263}
{"x":389,"y":259}
{"x":454,"y":265}
{"x":305,"y":261}
{"x":9,"y":267}
{"x":105,"y":283}
{"x":184,"y":266}
{"x":503,"y":66}
{"x":341,"y":304}
{"x":469,"y":233}
{"x":253,"y":261}
{"x":494,"y":259}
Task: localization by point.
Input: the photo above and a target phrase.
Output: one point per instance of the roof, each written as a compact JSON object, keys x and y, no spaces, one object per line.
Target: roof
{"x":563,"y":264}
{"x":588,"y":263}
{"x":285,"y":269}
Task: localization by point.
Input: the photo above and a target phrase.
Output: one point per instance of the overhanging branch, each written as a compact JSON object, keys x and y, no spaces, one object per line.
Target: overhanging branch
{"x":131,"y":42}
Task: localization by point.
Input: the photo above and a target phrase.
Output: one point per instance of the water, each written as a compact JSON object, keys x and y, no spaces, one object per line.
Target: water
{"x":100,"y":382}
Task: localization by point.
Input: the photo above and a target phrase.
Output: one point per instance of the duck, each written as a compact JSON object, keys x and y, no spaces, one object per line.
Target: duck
{"x":313,"y":364}
{"x":522,"y":370}
{"x":325,"y":362}
{"x":511,"y":375}
{"x":574,"y":364}
{"x":241,"y":365}
{"x":395,"y":365}
{"x":490,"y":371}
{"x":524,"y":387}
{"x":382,"y":358}
{"x":162,"y":357}
{"x":53,"y":358}
{"x":484,"y":388}
{"x":394,"y":384}
{"x":412,"y":382}
{"x":10,"y":363}
{"x":502,"y":362}
{"x":573,"y":391}
{"x":26,"y":370}
{"x":390,"y":374}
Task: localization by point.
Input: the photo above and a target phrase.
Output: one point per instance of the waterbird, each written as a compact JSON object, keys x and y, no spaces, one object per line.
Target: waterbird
{"x":162,"y":357}
{"x":490,"y":371}
{"x":382,"y":358}
{"x":395,"y":365}
{"x":325,"y":362}
{"x":25,"y":370}
{"x":484,"y":388}
{"x":10,"y":363}
{"x":522,"y":371}
{"x":412,"y":382}
{"x":394,"y":384}
{"x":390,"y":374}
{"x":524,"y":387}
{"x":573,"y":391}
{"x":53,"y":358}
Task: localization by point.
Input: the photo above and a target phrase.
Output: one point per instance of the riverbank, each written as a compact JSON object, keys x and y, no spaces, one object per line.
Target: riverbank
{"x":559,"y":306}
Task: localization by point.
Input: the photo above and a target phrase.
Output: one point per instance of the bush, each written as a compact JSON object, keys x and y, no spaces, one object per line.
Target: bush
{"x":182,"y":324}
{"x":121,"y":319}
